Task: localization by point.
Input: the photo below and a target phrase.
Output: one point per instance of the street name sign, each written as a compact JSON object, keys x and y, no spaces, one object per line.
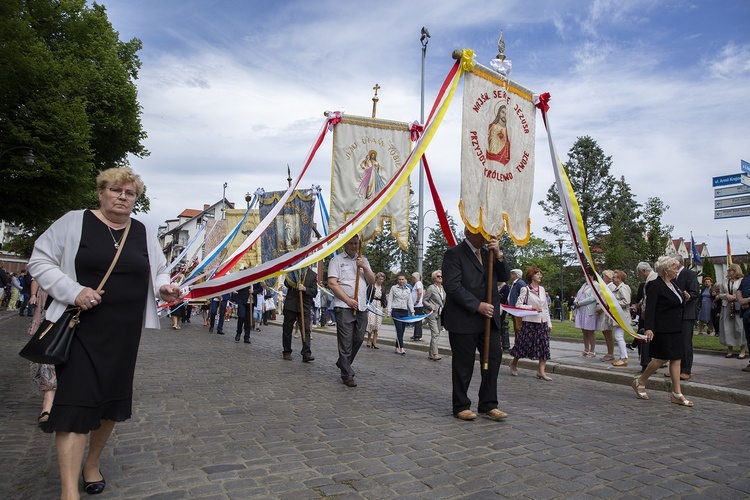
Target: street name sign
{"x":727,"y":180}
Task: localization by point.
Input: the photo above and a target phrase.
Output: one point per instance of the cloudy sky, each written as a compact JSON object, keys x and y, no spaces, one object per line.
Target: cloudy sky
{"x":233,"y":91}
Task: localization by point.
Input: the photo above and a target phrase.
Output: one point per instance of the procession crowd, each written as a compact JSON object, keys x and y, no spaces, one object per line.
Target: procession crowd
{"x":474,"y":296}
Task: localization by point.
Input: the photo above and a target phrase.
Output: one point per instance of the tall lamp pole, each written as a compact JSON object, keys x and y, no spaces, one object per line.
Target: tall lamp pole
{"x":223,"y":201}
{"x":425,"y":38}
{"x":562,"y":280}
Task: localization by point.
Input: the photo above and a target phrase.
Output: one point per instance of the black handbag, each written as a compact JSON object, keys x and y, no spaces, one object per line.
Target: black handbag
{"x":50,"y":344}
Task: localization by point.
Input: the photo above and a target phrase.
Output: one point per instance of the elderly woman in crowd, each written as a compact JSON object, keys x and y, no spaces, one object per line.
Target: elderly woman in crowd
{"x":704,"y":315}
{"x":731,"y":332}
{"x":95,"y":386}
{"x":586,"y":319}
{"x":400,"y":305}
{"x":532,"y":340}
{"x":662,"y":322}
{"x":379,"y":299}
{"x":604,"y":323}
{"x":623,"y":294}
{"x":433,"y":302}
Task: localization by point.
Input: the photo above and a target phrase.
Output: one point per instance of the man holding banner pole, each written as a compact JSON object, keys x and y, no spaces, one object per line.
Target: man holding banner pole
{"x":302,"y":287}
{"x":349,"y":273}
{"x":466,"y":280}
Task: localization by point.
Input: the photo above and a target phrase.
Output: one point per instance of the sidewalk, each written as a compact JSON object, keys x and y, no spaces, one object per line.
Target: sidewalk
{"x":714,"y":376}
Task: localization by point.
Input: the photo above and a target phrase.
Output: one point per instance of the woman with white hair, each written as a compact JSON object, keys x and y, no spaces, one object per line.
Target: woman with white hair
{"x":434,"y":300}
{"x":662,"y":321}
{"x":730,"y":328}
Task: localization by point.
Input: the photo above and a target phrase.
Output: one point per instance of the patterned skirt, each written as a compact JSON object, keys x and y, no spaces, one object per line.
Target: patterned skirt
{"x":532,"y":341}
{"x":374,"y":321}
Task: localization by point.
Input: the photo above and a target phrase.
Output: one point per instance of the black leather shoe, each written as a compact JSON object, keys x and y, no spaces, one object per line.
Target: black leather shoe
{"x":237,"y":337}
{"x":94,"y":487}
{"x":211,"y":330}
{"x":247,"y":341}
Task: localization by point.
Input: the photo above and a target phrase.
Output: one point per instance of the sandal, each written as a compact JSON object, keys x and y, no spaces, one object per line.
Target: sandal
{"x":729,"y":355}
{"x":679,"y":399}
{"x":607,"y":357}
{"x":636,"y":387}
{"x":43,"y":417}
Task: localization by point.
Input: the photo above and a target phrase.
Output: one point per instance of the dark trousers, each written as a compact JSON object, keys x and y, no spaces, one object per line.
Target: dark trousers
{"x":644,"y":354}
{"x":464,"y":347}
{"x":504,"y":331}
{"x":290,"y":318}
{"x":418,"y":325}
{"x":400,"y":325}
{"x":244,"y":320}
{"x":686,"y":365}
{"x":220,"y":307}
{"x":25,"y":297}
{"x":350,"y":333}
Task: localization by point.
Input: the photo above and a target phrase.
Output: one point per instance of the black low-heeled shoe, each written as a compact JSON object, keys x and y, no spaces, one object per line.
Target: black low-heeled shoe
{"x":94,"y":487}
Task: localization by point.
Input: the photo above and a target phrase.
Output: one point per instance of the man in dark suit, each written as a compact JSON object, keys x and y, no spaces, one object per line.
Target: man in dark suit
{"x":305,"y":281}
{"x":465,"y":279}
{"x":687,"y":281}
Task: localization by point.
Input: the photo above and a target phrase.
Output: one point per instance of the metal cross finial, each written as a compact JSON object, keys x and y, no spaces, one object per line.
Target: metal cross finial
{"x":501,"y":47}
{"x":375,"y":99}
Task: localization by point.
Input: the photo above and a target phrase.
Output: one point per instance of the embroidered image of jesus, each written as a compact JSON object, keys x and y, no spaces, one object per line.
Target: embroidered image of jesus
{"x":498,"y":147}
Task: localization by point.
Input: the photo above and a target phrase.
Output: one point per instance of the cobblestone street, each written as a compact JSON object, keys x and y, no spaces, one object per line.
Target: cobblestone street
{"x":218,"y":419}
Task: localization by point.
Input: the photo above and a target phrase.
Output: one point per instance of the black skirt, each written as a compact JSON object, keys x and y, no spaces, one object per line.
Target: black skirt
{"x":667,"y":346}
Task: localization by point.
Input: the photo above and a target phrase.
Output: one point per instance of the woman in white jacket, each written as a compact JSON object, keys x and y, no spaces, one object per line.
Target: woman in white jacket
{"x":95,"y":385}
{"x":532,"y":340}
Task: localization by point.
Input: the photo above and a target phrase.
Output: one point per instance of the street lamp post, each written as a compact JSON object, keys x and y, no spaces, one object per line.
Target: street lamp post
{"x":562,"y":280}
{"x":424,"y":39}
{"x":223,"y":201}
{"x":28,"y":158}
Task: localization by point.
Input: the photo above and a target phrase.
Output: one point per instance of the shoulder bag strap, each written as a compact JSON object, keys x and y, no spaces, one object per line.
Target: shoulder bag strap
{"x":117,"y":255}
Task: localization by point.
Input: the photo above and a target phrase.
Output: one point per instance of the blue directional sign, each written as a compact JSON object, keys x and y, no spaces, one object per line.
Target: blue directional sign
{"x":745,"y":166}
{"x":726,"y":180}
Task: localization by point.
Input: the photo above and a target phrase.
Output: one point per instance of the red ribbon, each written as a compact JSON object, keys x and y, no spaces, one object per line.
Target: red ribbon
{"x":416,"y":131}
{"x":543,"y":102}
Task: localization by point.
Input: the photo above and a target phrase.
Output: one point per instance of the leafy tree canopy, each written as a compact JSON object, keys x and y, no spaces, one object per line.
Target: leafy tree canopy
{"x":67,"y":90}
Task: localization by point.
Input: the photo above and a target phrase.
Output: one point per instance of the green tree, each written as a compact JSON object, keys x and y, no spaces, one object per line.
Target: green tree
{"x":68,"y":91}
{"x":624,"y":244}
{"x":657,"y":234}
{"x":709,"y":269}
{"x":380,"y":252}
{"x":436,"y":247}
{"x":588,"y":171}
{"x":541,"y":254}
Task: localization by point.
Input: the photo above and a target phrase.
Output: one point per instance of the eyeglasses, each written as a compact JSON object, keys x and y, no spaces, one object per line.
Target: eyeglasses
{"x":439,"y":276}
{"x":117,"y":192}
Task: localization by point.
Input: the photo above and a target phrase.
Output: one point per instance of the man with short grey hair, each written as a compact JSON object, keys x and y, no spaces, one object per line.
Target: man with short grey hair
{"x":687,"y":282}
{"x":515,"y":289}
{"x":647,"y":274}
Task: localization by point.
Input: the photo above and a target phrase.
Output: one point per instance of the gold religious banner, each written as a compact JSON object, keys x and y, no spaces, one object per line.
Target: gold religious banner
{"x":497,"y":155}
{"x":366,"y":154}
